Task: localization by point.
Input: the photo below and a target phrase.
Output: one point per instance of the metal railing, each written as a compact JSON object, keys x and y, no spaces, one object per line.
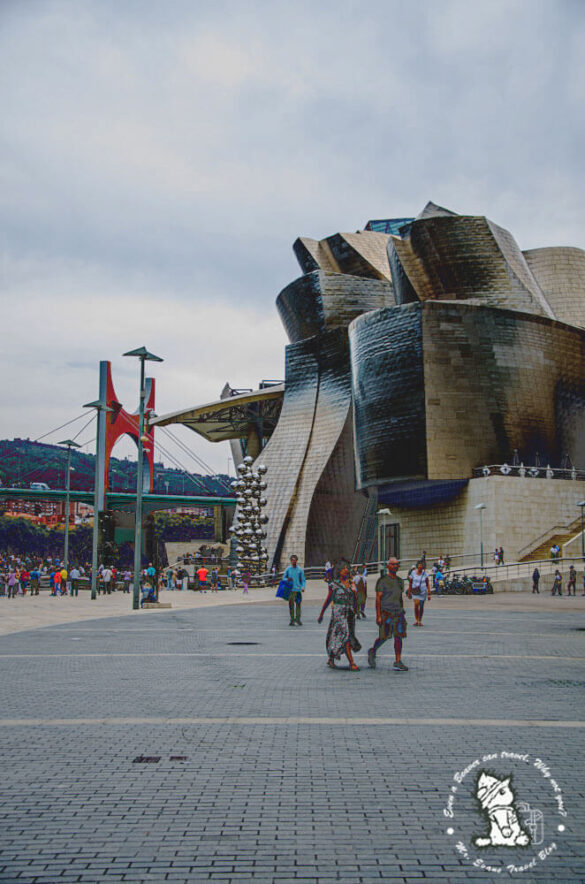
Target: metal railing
{"x":521,"y":569}
{"x":528,"y":472}
{"x":555,"y":531}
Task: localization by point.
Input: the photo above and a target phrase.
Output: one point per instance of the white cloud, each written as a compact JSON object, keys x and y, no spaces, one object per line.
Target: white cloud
{"x":57,"y":338}
{"x":158,"y":160}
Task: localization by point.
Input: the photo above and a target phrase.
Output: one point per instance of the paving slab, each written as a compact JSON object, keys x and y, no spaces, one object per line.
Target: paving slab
{"x":271,"y":767}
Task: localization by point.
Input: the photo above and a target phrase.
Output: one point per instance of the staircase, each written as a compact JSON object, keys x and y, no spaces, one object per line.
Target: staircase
{"x":539,"y":548}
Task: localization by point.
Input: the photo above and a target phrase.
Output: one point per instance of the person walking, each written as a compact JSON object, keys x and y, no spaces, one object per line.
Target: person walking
{"x":502,"y":555}
{"x":107,"y":580}
{"x":75,"y":575}
{"x":202,"y":573}
{"x":535,"y":580}
{"x":57,"y":582}
{"x":361,"y":586}
{"x":214,"y":579}
{"x":343,"y":599}
{"x":297,"y":576}
{"x":419,"y":590}
{"x":390,"y":615}
{"x":557,"y":586}
{"x":572,"y":581}
{"x":127,"y":580}
{"x":151,"y":576}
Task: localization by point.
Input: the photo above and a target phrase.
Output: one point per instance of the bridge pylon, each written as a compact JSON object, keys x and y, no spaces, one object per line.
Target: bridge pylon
{"x":117,"y":422}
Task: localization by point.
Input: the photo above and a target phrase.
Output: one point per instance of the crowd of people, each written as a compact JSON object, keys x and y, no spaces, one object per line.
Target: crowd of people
{"x":557,"y":584}
{"x":24,"y":575}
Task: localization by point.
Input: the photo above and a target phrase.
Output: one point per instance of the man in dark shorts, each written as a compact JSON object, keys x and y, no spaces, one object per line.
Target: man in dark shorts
{"x":390,"y":615}
{"x":572,"y":582}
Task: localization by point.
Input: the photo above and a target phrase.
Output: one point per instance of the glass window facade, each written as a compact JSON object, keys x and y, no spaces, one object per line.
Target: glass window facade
{"x":388,"y":225}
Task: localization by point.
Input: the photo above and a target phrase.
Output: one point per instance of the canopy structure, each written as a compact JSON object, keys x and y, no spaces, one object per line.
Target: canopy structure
{"x":249,"y":416}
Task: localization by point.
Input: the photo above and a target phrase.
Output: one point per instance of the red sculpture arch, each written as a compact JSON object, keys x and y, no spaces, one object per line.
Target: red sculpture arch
{"x":120,"y":422}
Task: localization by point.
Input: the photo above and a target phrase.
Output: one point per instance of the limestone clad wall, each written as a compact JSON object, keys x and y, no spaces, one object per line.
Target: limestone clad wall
{"x":519,"y":511}
{"x":560,"y":273}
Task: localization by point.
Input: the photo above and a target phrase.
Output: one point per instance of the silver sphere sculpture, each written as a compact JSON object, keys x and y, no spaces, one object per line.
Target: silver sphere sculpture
{"x":249,"y":531}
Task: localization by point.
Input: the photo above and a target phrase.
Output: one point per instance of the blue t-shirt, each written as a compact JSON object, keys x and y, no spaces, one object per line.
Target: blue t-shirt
{"x":297,"y":575}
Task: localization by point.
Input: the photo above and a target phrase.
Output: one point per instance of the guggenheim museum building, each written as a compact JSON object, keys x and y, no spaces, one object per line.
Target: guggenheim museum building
{"x":435,"y":372}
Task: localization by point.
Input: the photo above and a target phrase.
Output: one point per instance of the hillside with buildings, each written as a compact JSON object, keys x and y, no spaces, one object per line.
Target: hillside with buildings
{"x":23,"y":461}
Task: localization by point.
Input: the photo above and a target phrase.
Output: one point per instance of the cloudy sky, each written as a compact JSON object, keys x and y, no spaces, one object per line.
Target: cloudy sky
{"x":158,"y":160}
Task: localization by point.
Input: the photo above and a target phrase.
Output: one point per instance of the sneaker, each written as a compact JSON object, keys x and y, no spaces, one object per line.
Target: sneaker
{"x":292,"y":623}
{"x":400,"y":667}
{"x":299,"y":623}
{"x":371,"y":659}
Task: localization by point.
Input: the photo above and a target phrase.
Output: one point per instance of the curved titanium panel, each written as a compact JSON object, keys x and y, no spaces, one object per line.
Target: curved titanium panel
{"x":300,"y":307}
{"x":442,"y":388}
{"x":332,"y":407}
{"x":285,"y":452}
{"x":321,"y":301}
{"x":337,"y":509}
{"x":498,"y":380}
{"x":360,"y":254}
{"x":465,"y":258}
{"x":388,"y":395}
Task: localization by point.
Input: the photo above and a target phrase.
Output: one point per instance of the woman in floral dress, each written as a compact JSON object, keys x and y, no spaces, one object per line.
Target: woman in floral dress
{"x":343,"y":600}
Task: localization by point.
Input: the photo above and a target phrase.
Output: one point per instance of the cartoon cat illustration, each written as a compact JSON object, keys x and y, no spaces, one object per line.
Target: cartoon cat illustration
{"x":497,"y":803}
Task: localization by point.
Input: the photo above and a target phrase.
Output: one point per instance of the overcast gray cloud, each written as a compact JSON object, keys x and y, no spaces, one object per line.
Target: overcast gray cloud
{"x":158,"y":160}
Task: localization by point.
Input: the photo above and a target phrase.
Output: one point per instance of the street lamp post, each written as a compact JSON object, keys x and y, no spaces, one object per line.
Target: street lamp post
{"x":144,"y":356}
{"x":70,"y":444}
{"x":100,"y":409}
{"x":481,"y":507}
{"x":382,"y":537}
{"x":582,"y":504}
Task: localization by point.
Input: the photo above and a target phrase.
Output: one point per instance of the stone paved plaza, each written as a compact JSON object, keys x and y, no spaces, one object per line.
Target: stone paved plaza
{"x":271,"y":766}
